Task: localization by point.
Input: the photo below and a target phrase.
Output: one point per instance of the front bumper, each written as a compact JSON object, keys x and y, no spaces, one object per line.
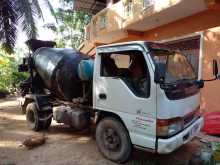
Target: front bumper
{"x":166,"y":146}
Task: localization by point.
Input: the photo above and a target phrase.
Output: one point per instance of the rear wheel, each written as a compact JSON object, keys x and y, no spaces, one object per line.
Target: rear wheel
{"x":113,"y":140}
{"x":34,"y":118}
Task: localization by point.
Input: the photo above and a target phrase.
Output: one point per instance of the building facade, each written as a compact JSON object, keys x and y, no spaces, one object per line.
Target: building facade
{"x":191,"y":25}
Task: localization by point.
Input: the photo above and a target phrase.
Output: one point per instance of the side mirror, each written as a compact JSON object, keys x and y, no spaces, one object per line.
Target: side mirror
{"x":200,"y":83}
{"x":159,"y":73}
{"x":215,"y":68}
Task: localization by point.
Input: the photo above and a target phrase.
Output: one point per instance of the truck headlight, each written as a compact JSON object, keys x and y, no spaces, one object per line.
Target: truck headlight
{"x":169,"y":127}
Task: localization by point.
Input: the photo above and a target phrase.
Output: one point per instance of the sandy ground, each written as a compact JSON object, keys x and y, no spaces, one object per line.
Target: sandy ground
{"x":65,"y":146}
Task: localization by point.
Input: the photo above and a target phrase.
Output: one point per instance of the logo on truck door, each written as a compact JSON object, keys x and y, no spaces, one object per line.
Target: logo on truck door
{"x":142,"y":123}
{"x":142,"y":113}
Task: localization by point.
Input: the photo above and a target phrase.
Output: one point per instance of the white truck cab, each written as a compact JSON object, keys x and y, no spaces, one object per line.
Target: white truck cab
{"x":153,"y":91}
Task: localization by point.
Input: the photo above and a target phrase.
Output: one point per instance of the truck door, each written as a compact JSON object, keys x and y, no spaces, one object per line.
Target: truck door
{"x":124,"y":85}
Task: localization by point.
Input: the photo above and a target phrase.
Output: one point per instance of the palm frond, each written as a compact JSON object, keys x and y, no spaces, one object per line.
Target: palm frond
{"x":36,"y":6}
{"x":27,"y":17}
{"x":48,"y":4}
{"x":8,"y":22}
{"x":50,"y":26}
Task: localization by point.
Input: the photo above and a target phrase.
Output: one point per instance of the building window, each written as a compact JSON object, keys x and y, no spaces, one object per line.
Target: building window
{"x":103,"y":21}
{"x":94,"y":27}
{"x":128,"y":8}
{"x":148,"y":3}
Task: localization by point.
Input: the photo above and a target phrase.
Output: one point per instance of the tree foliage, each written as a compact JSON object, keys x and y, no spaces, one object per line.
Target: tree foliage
{"x":13,"y":12}
{"x":8,"y":22}
{"x":10,"y":78}
{"x":70,"y":25}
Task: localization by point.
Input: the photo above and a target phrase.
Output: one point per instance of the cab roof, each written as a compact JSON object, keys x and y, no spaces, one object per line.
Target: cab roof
{"x":123,"y":44}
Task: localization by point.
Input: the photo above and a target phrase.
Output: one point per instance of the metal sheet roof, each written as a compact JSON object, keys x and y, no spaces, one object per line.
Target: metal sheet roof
{"x":93,"y":6}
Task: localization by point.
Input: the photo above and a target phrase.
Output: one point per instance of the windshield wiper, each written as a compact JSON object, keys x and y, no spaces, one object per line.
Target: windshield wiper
{"x":175,"y":84}
{"x":184,"y":80}
{"x":168,"y":86}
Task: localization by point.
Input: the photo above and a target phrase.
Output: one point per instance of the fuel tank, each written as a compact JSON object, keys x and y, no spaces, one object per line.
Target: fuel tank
{"x":63,"y":71}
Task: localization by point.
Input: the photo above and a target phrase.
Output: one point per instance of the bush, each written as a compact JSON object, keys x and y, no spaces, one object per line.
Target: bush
{"x":10,"y":78}
{"x":3,"y":93}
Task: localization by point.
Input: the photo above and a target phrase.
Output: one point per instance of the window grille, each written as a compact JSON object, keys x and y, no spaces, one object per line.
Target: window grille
{"x":148,"y":3}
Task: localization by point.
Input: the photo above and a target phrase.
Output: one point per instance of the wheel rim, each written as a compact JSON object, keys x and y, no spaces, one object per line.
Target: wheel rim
{"x":111,"y":139}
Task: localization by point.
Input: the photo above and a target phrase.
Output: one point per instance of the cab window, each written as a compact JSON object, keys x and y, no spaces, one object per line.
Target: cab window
{"x":129,"y":66}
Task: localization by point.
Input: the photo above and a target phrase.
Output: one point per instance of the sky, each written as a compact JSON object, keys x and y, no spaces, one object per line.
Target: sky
{"x":44,"y":34}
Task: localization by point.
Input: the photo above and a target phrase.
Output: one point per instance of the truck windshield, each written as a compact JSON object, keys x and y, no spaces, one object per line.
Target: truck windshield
{"x":173,"y":64}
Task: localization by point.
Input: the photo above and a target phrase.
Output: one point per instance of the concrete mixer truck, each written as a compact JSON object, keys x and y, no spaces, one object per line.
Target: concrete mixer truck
{"x":138,"y":94}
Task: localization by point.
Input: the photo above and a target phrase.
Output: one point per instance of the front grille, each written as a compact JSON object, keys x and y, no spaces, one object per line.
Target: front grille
{"x":190,"y":118}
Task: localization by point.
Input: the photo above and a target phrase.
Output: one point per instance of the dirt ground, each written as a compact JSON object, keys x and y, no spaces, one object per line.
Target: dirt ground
{"x":65,"y":146}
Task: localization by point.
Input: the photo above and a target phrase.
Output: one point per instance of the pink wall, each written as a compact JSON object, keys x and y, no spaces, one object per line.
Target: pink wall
{"x":211,"y":92}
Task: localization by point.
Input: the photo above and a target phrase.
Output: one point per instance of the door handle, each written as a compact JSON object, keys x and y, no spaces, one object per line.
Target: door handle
{"x":102,"y":96}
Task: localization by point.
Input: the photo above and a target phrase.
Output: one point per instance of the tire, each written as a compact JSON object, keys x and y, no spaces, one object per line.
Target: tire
{"x":113,"y":140}
{"x":33,"y":118}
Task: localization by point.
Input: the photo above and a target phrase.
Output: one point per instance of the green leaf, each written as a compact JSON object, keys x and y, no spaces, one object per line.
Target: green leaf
{"x":27,"y":18}
{"x":8,"y":22}
{"x":35,"y":4}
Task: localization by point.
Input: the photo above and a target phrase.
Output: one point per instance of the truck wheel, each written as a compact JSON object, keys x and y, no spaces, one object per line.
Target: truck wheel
{"x":113,"y":140}
{"x":33,"y":118}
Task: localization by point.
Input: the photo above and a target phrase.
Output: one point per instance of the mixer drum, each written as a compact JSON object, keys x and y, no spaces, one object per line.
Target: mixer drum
{"x":59,"y":68}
